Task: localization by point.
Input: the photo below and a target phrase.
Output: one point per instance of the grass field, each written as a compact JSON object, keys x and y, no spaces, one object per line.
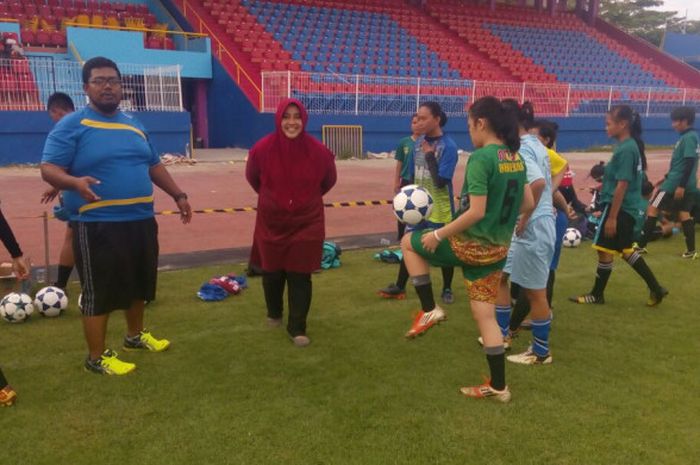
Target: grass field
{"x":622,"y":389}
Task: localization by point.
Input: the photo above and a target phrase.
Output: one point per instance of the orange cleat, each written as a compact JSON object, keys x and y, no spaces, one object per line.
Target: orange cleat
{"x":426,"y":320}
{"x":484,"y":391}
{"x":8,"y":396}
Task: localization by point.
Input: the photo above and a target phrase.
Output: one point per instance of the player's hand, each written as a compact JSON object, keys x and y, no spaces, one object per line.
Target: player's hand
{"x":427,"y":147}
{"x":185,"y":210}
{"x":20,"y":267}
{"x":570,"y":212}
{"x":679,"y":194}
{"x":521,"y":224}
{"x":429,"y":242}
{"x":82,"y":186}
{"x":611,"y":227}
{"x":49,"y":195}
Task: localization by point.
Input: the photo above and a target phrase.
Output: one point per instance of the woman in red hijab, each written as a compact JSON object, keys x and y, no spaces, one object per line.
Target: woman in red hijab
{"x":290,"y":171}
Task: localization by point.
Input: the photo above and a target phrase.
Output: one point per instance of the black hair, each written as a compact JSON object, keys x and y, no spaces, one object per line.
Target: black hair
{"x":525,"y":113}
{"x":501,"y":120}
{"x":98,"y":62}
{"x":436,"y":111}
{"x":597,"y":170}
{"x":60,"y":100}
{"x":683,"y":114}
{"x":548,"y":130}
{"x":634,"y":122}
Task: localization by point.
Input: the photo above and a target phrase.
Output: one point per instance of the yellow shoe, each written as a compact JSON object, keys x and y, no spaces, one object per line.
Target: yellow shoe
{"x":109,"y":364}
{"x":8,"y":396}
{"x":145,"y":341}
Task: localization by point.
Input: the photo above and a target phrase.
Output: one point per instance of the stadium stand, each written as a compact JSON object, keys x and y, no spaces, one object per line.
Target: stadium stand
{"x":43,"y":24}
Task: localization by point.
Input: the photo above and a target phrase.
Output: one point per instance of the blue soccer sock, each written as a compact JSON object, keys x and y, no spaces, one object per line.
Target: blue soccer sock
{"x":540,"y":336}
{"x":503,"y":318}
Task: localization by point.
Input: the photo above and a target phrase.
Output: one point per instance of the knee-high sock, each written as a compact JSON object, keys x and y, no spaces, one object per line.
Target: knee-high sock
{"x":520,"y":311}
{"x":3,"y":380}
{"x":648,"y":230}
{"x":540,"y":336}
{"x":550,"y":286}
{"x":689,"y":233}
{"x":402,"y":277}
{"x":63,"y":275}
{"x":495,"y":356}
{"x":503,"y":318}
{"x":637,"y":263}
{"x":602,"y":275}
{"x":424,"y":289}
{"x":448,"y":273}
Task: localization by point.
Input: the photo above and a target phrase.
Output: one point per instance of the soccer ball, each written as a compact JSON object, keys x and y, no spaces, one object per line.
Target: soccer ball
{"x":51,"y":301}
{"x":413,"y":204}
{"x":16,"y":307}
{"x":572,"y":238}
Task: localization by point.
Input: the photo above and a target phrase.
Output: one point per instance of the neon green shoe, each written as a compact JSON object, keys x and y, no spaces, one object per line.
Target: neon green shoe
{"x":145,"y":341}
{"x":109,"y":364}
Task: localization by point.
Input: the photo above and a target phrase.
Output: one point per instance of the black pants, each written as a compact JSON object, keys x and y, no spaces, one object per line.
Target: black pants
{"x":298,"y":298}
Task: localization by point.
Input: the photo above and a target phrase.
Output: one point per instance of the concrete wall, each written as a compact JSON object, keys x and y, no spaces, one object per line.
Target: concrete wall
{"x":22,"y":133}
{"x":128,"y":47}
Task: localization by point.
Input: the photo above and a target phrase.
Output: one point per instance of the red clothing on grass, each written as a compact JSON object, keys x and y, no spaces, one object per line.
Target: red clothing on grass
{"x":290,"y":176}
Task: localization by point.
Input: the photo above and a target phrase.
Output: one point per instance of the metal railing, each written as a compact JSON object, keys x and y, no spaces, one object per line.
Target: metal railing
{"x":25,"y":84}
{"x":329,"y":93}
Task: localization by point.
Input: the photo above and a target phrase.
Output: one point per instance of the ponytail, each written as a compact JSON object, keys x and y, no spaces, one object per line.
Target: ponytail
{"x":501,"y":119}
{"x":634,"y":122}
{"x":525,"y":113}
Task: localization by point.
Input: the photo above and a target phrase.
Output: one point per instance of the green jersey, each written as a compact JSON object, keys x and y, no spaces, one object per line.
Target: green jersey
{"x":625,"y":165}
{"x":686,"y":147}
{"x":499,"y":174}
{"x":404,"y":154}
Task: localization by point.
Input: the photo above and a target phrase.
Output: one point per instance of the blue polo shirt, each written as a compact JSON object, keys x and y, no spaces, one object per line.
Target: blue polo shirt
{"x":114,"y":150}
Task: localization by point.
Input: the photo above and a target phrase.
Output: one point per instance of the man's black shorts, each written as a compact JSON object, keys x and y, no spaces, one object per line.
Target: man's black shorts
{"x":622,"y":241}
{"x":117,"y":263}
{"x":664,"y":201}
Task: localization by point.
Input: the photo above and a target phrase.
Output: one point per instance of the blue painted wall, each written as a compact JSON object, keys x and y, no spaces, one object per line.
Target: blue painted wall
{"x":22,"y":133}
{"x":9,"y":27}
{"x":127,"y":47}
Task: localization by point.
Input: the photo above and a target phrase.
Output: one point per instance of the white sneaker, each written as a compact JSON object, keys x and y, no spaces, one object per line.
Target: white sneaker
{"x":530,"y":358}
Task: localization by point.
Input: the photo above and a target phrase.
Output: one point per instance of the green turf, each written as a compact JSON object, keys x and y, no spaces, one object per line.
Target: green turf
{"x":232,"y":391}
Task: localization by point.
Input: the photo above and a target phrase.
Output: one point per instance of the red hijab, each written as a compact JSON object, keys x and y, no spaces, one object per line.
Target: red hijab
{"x":293,"y":172}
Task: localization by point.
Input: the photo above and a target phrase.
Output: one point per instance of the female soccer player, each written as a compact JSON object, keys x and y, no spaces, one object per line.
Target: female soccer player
{"x":434,"y":162}
{"x":621,"y":197}
{"x":532,"y":249}
{"x":21,"y":269}
{"x":494,"y":193}
{"x":290,"y":171}
{"x":546,"y":132}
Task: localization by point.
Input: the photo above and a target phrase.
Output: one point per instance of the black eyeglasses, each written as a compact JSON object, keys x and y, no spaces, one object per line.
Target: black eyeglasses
{"x":101,"y":82}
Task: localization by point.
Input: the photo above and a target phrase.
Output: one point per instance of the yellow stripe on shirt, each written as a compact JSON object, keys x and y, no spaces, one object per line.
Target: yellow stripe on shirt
{"x":114,"y":126}
{"x":114,"y":203}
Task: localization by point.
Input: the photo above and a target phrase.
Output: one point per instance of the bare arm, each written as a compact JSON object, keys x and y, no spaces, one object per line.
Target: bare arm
{"x":557,"y":178}
{"x":397,"y":176}
{"x":60,"y":179}
{"x":560,"y":201}
{"x":161,"y":178}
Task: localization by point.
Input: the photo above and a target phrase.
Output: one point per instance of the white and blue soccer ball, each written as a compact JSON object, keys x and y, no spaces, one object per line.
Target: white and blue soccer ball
{"x":16,"y":307}
{"x":413,"y":204}
{"x":51,"y":301}
{"x":572,"y":238}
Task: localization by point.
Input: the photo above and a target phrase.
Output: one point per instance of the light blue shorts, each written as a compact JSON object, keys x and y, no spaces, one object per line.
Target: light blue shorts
{"x":531,"y":254}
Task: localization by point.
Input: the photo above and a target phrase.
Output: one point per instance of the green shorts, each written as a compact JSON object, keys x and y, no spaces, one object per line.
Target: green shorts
{"x":476,"y":260}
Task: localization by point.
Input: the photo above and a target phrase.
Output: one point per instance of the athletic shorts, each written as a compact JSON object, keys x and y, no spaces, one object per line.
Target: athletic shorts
{"x":623,"y":239}
{"x":530,"y":255}
{"x":664,"y":201}
{"x":560,"y":227}
{"x":481,"y":264}
{"x":117,"y":263}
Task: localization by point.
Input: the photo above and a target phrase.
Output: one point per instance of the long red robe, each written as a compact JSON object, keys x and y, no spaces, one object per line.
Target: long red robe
{"x":290,"y":176}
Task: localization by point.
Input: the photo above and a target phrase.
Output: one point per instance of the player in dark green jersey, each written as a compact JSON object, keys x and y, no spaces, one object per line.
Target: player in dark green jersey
{"x":405,"y":171}
{"x":477,"y":240}
{"x":679,"y":188}
{"x":621,"y":197}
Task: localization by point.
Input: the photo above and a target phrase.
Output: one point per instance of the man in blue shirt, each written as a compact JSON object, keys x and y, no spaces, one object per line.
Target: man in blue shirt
{"x":103,"y":161}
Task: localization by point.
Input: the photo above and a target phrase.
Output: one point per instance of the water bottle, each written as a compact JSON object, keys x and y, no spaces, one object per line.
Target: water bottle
{"x":384,"y":242}
{"x":41,"y":275}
